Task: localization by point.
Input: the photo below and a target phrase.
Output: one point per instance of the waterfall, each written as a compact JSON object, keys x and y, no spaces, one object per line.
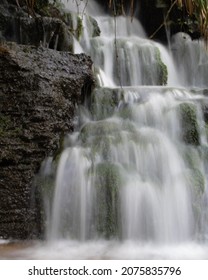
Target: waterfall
{"x":135,"y":169}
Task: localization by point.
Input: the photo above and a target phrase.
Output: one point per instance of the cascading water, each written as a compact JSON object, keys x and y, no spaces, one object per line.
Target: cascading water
{"x":135,"y":171}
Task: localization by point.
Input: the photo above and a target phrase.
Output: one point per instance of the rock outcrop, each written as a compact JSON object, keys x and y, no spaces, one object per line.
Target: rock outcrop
{"x":39,"y":91}
{"x":17,"y":26}
{"x":54,"y":28}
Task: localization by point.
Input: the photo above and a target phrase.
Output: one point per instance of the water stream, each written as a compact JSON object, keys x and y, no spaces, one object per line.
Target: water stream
{"x":131,"y":182}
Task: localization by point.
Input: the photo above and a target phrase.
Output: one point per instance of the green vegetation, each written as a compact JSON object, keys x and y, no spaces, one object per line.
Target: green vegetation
{"x":104,"y":102}
{"x":79,"y":28}
{"x":198,"y":181}
{"x":126,"y":111}
{"x":100,"y":136}
{"x":162,"y":69}
{"x":108,"y":180}
{"x":190,"y":129}
{"x":194,"y":13}
{"x":99,"y":128}
{"x":192,"y":156}
{"x":198,"y":11}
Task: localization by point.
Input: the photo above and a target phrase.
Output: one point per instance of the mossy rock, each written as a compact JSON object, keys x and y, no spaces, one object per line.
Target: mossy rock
{"x":100,"y":137}
{"x":191,"y":156}
{"x":106,"y":133}
{"x":189,"y":124}
{"x":76,"y":24}
{"x":197,"y":181}
{"x":99,"y":128}
{"x":103,"y":145}
{"x":73,"y":21}
{"x":108,"y":181}
{"x":125,"y":111}
{"x":104,"y":102}
{"x":155,"y":67}
{"x":162,"y":69}
{"x":79,"y":29}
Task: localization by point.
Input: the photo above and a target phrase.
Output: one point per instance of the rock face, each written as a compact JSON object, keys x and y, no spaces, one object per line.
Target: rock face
{"x":17,"y":26}
{"x":54,"y":28}
{"x":39,"y":90}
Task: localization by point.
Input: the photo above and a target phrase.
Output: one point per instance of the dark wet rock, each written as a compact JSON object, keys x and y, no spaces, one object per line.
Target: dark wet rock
{"x":17,"y":26}
{"x":51,"y":28}
{"x":39,"y":91}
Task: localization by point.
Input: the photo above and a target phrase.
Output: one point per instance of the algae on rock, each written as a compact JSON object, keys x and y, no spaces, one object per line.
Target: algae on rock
{"x":107,"y":183}
{"x":189,"y":125}
{"x":104,"y":102}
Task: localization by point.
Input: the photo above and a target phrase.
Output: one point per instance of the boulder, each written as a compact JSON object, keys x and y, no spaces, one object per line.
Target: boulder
{"x":39,"y":91}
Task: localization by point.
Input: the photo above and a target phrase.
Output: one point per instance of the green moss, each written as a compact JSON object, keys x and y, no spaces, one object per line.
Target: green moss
{"x":79,"y":29}
{"x":104,"y":102}
{"x":197,"y":184}
{"x":99,"y":128}
{"x":100,"y":137}
{"x":107,"y":131}
{"x":108,"y":181}
{"x":126,"y":111}
{"x":104,"y":136}
{"x":102,"y":146}
{"x":162,"y":69}
{"x":197,"y":180}
{"x":191,"y":156}
{"x":189,"y":125}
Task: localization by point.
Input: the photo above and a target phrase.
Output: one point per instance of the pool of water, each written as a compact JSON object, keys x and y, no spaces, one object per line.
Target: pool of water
{"x":101,"y":250}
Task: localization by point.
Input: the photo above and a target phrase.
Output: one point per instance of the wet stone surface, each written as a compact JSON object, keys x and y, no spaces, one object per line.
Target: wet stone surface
{"x":39,"y":91}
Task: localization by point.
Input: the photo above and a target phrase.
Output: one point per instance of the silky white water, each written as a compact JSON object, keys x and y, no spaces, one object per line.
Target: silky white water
{"x":130,"y":176}
{"x":131,"y":182}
